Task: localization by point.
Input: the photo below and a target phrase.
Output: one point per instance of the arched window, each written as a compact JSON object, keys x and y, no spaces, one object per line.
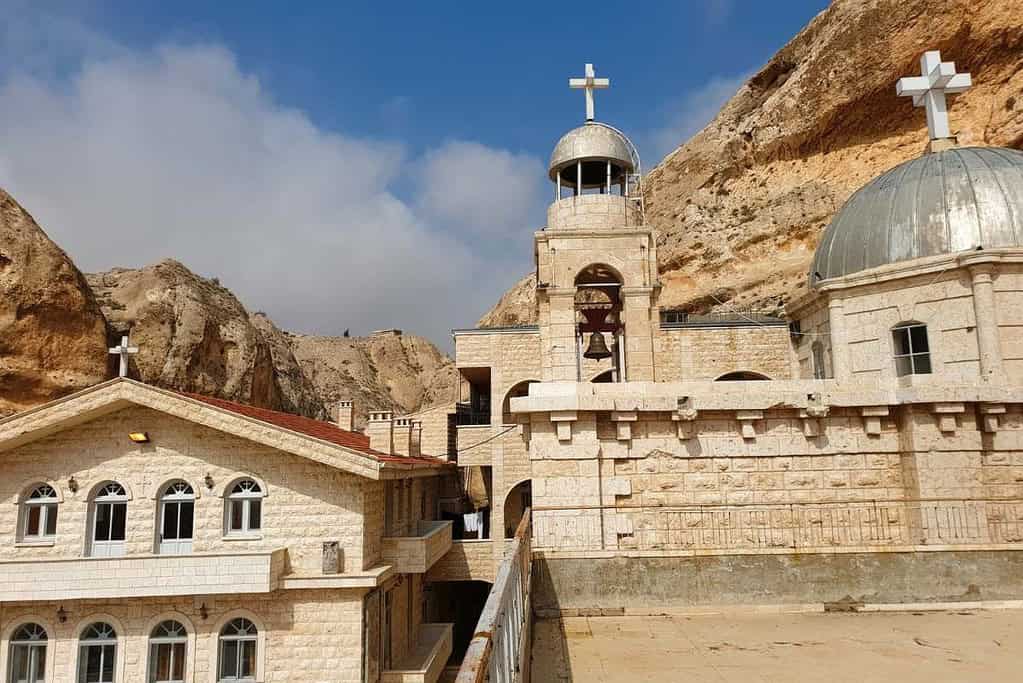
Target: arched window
{"x":97,"y":653}
{"x":28,"y":654}
{"x":244,"y":508}
{"x":237,"y":653}
{"x":912,"y":351}
{"x":168,"y":644}
{"x":39,"y":514}
{"x":177,"y":514}
{"x":742,"y":376}
{"x":109,"y":519}
{"x":817,"y":349}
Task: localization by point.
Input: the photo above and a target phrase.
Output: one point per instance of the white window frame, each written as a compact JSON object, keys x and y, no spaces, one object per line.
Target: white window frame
{"x":913,"y":356}
{"x":175,"y":493}
{"x":155,"y":641}
{"x":253,"y":636}
{"x":108,"y":495}
{"x":103,"y":642}
{"x":38,"y":651}
{"x":244,"y":492}
{"x":45,"y":499}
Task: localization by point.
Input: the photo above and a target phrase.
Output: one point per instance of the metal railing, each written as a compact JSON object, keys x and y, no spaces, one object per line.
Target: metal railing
{"x":869,"y":524}
{"x":734,"y":318}
{"x":500,"y":647}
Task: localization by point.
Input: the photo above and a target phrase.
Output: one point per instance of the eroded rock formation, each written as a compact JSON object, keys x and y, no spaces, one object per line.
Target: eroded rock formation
{"x":741,"y":205}
{"x":52,"y":333}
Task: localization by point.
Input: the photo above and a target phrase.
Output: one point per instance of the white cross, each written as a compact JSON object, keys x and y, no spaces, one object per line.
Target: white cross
{"x":939,"y":79}
{"x":123,"y":350}
{"x":589,"y":83}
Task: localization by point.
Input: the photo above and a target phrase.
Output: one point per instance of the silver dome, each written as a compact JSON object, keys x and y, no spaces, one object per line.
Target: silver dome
{"x":939,"y":203}
{"x":591,"y":141}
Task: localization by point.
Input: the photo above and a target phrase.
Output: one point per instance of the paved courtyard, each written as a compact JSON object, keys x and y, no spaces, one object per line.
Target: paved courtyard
{"x":903,"y":647}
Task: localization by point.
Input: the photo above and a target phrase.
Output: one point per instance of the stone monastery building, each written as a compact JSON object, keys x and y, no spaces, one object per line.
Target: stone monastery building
{"x":867,"y":447}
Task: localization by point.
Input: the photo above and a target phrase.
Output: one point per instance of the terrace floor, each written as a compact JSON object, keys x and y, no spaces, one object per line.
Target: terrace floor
{"x":908,"y":647}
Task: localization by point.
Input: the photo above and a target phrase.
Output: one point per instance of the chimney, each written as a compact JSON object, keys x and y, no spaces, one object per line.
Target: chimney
{"x":346,"y":415}
{"x":402,"y":436}
{"x":380,"y":430}
{"x":415,"y":448}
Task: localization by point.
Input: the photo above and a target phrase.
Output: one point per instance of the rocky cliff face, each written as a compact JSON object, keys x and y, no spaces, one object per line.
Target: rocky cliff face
{"x":194,"y":335}
{"x":740,"y":206}
{"x":52,"y":333}
{"x":399,"y":372}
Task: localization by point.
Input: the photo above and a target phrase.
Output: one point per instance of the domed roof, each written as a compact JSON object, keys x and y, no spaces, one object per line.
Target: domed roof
{"x":939,"y":203}
{"x":591,"y":141}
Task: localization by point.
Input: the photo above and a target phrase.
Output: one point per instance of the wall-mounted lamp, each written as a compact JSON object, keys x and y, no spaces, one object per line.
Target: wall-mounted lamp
{"x":72,"y":484}
{"x":139,"y":437}
{"x":61,"y":614}
{"x":203,"y":612}
{"x":208,"y":480}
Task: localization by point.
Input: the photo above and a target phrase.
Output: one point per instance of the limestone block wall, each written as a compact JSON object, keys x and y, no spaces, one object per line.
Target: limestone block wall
{"x":306,"y":503}
{"x":468,"y":560}
{"x":813,"y":323}
{"x":592,"y":211}
{"x":697,"y":353}
{"x":306,"y":636}
{"x":1008,"y":286}
{"x":944,"y":302}
{"x":435,"y":439}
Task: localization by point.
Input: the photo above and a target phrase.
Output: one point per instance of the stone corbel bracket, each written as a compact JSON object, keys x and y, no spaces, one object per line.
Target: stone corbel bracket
{"x":872,"y":419}
{"x":811,"y":416}
{"x":563,"y":420}
{"x":685,"y":418}
{"x":989,"y":419}
{"x":623,"y":419}
{"x":525,"y":424}
{"x":946,"y":416}
{"x":748,"y":422}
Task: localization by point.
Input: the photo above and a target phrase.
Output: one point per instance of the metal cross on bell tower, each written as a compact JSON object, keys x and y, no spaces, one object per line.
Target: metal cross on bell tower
{"x":589,"y":83}
{"x":928,"y":90}
{"x":125,"y":352}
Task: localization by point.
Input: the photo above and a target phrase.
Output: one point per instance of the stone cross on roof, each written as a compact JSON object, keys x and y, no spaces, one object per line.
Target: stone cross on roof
{"x":124,"y":351}
{"x":589,"y":83}
{"x":928,"y":90}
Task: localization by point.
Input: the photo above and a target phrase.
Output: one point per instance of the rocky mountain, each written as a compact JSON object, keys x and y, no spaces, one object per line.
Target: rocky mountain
{"x":388,"y":370}
{"x":194,"y":335}
{"x":52,"y":333}
{"x":740,"y":206}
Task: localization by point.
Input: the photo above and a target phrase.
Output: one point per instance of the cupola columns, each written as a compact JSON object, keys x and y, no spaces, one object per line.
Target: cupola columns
{"x":929,"y":89}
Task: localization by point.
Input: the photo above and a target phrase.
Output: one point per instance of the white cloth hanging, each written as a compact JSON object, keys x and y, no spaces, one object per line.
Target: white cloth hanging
{"x":472,"y":521}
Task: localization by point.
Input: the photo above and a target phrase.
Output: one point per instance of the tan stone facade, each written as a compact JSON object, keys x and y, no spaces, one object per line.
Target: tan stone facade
{"x":329,"y":569}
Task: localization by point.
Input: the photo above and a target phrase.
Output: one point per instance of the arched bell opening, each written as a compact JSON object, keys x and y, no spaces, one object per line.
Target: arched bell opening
{"x":599,"y":326}
{"x":742,"y":376}
{"x":517,"y":391}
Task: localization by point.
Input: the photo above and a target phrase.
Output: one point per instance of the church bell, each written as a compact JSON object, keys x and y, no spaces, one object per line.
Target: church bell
{"x":597,"y":348}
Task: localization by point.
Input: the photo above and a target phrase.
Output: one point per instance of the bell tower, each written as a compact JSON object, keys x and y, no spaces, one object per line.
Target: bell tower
{"x":596,"y":261}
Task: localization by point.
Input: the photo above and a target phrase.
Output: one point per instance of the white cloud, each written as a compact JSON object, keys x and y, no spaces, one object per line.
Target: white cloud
{"x":490,"y":192}
{"x":690,"y":114}
{"x":177,"y":152}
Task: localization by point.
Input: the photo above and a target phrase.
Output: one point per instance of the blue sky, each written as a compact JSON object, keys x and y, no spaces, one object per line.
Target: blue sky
{"x":343,"y":165}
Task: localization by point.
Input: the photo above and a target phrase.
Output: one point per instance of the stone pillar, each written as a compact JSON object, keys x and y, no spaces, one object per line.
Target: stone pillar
{"x":988,"y":343}
{"x":562,"y":347}
{"x":839,"y":340}
{"x":639,"y":343}
{"x":380,"y":430}
{"x":346,"y":415}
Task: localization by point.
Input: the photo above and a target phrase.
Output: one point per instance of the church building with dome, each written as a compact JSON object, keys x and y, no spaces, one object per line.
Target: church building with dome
{"x":882,"y":414}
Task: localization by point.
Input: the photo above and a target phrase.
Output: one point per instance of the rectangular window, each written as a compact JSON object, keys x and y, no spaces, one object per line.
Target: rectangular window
{"x":32,"y":525}
{"x":118,"y":521}
{"x":255,"y":514}
{"x":229,"y":659}
{"x":51,"y":519}
{"x":912,"y":350}
{"x":237,"y":515}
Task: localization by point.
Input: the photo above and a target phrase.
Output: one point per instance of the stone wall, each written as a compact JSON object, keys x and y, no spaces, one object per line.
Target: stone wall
{"x":468,"y":560}
{"x":306,"y":636}
{"x":655,"y":585}
{"x":696,"y":353}
{"x":1008,"y":288}
{"x":306,"y":503}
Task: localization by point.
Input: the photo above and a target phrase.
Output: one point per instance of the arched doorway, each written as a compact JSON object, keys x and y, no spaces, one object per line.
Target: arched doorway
{"x":742,"y":376}
{"x":517,"y":391}
{"x":518,"y":499}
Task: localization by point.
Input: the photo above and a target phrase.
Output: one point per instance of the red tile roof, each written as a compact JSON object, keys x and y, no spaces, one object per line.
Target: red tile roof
{"x":317,"y":429}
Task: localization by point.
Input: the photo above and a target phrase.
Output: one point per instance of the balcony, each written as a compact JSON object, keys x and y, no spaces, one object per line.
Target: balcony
{"x":468,"y":560}
{"x":416,"y":554}
{"x":427,"y":659}
{"x":473,"y":446}
{"x":141,"y":576}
